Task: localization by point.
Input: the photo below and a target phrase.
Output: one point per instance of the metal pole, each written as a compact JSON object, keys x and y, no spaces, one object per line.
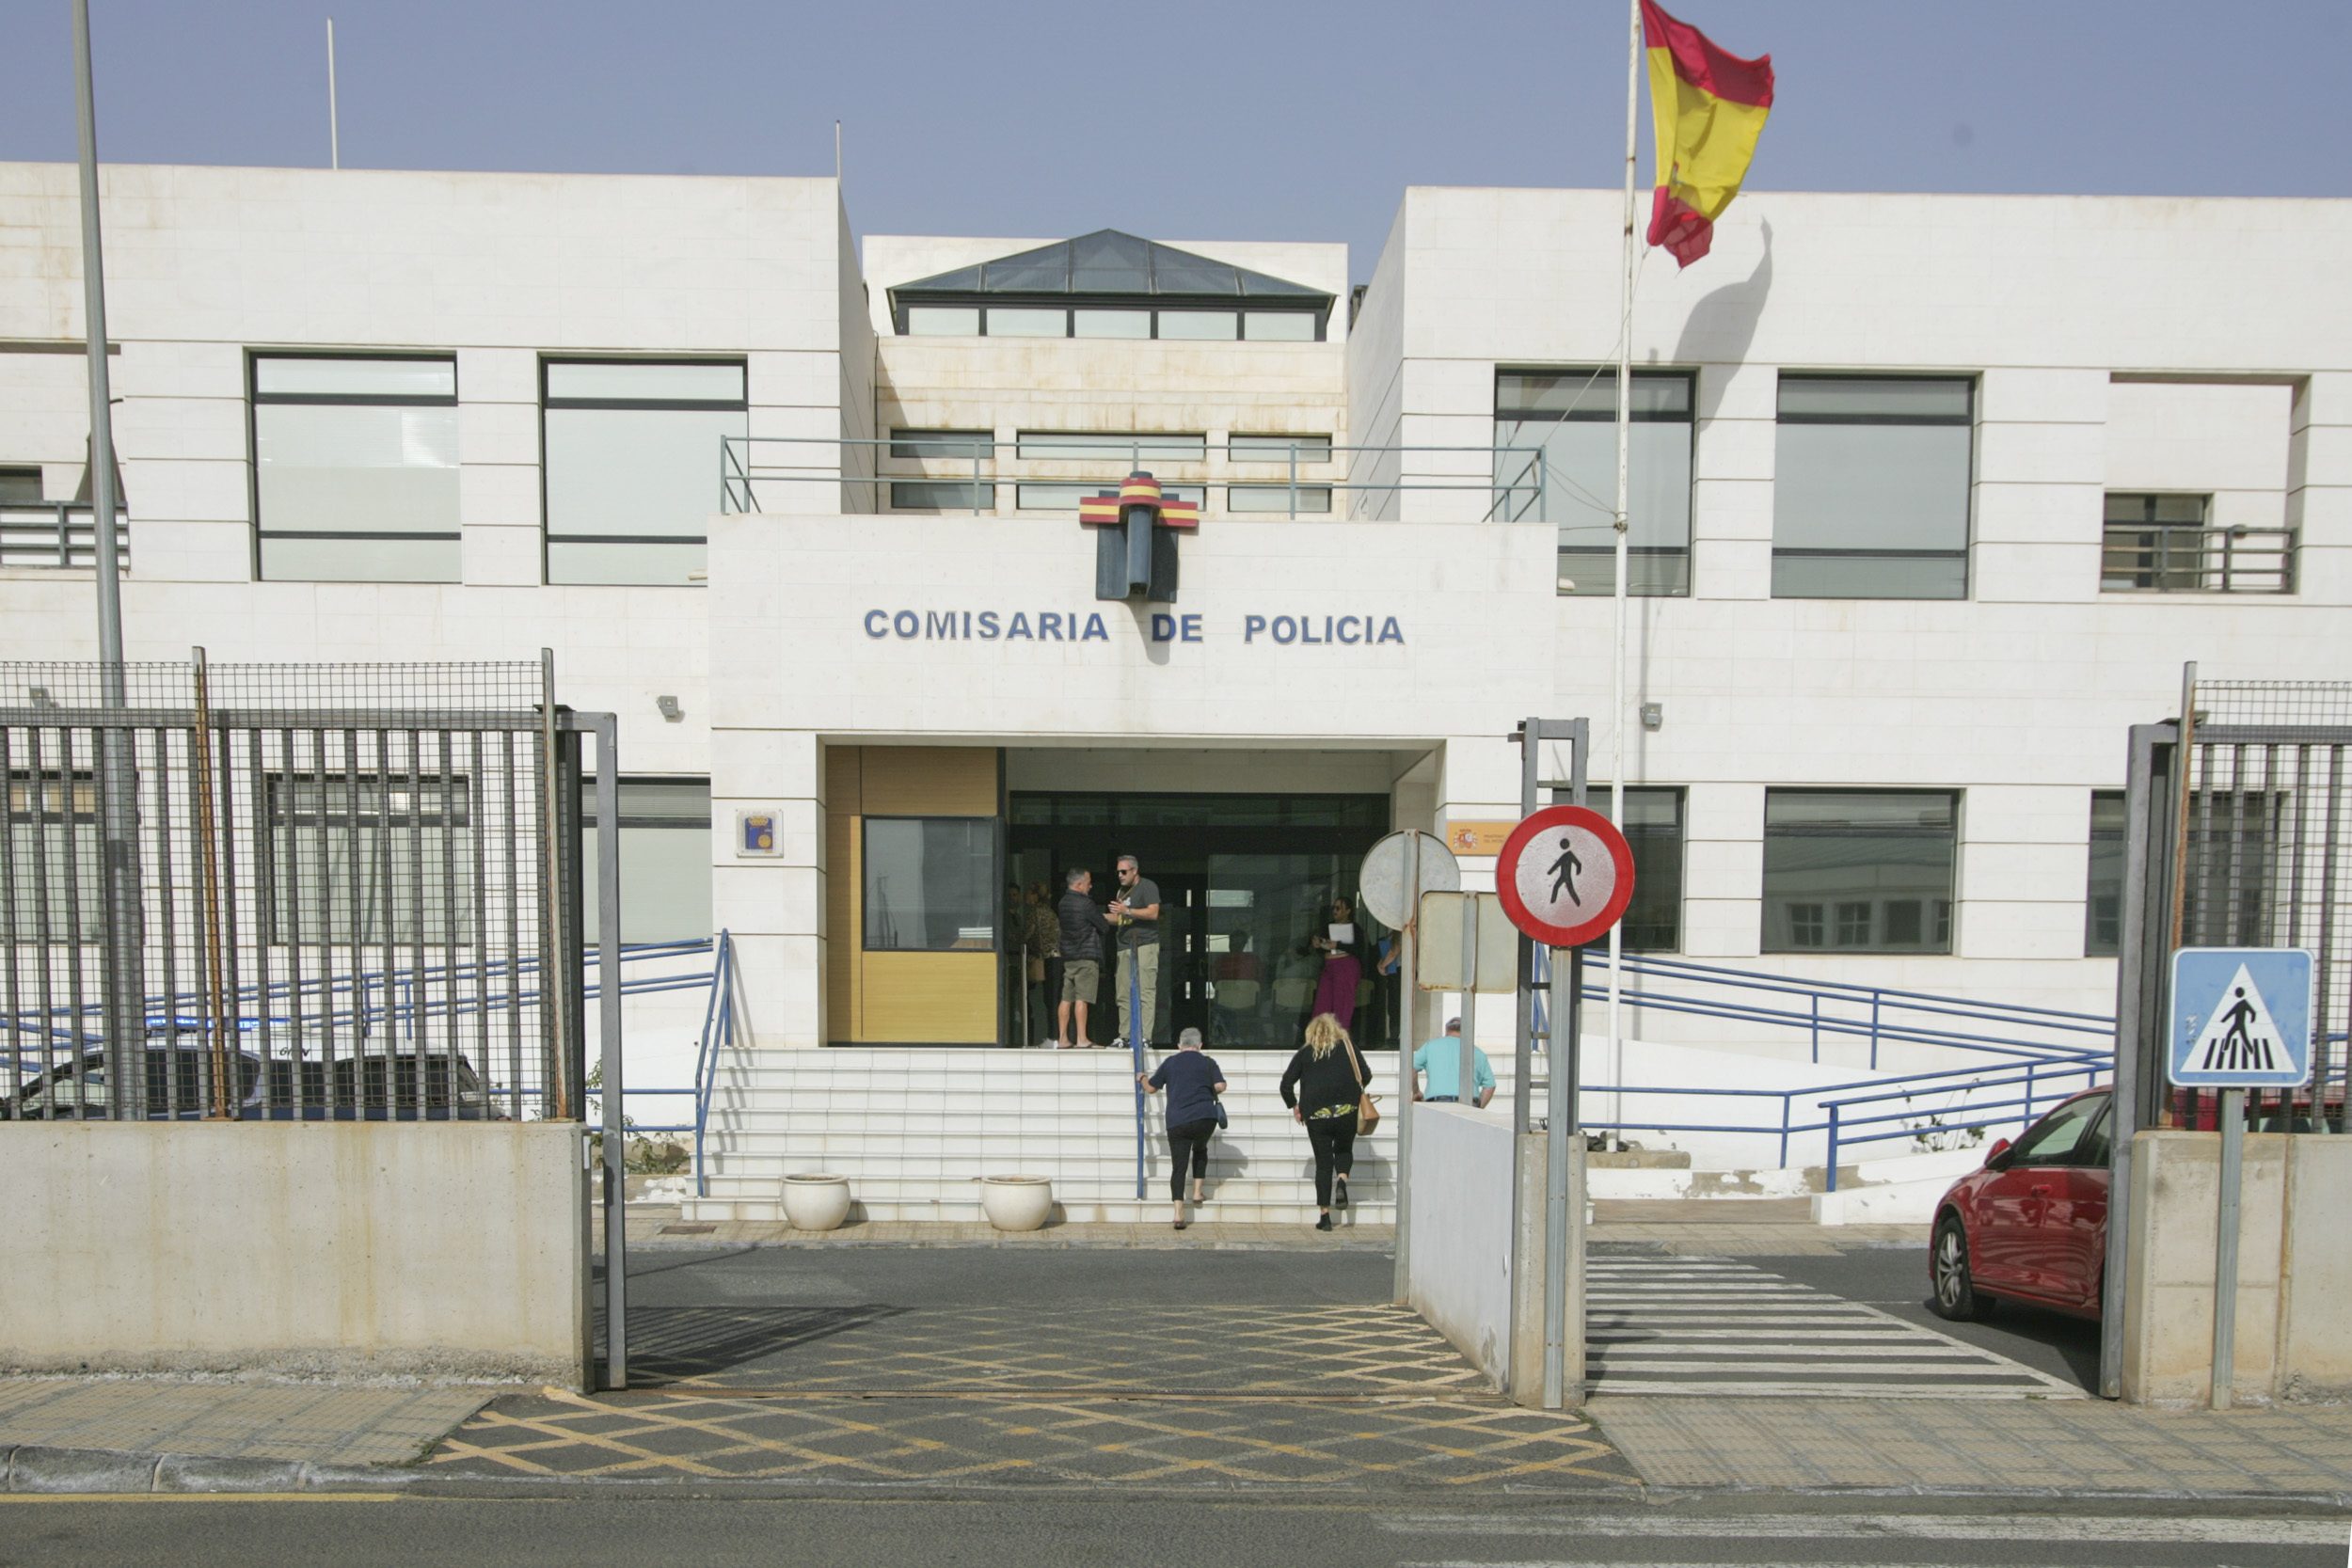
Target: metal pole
{"x":609,"y":1049}
{"x":1135,"y":1052}
{"x":1564,"y":1221}
{"x":1625,"y":441}
{"x":2129,"y":1100}
{"x":1523,"y":1042}
{"x":1469,"y":1000}
{"x":1408,"y":1008}
{"x":557,"y":965}
{"x":334,"y":129}
{"x":2225,"y":1249}
{"x":125,"y":1031}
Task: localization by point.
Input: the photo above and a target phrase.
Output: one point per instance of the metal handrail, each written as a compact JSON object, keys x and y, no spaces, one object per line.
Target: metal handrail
{"x":718,"y":1034}
{"x":2024,"y":1106}
{"x":740,"y":474}
{"x":2196,"y":557}
{"x":46,"y":534}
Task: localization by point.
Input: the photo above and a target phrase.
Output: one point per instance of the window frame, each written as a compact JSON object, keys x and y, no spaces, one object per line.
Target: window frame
{"x":1965,"y":554}
{"x":992,"y":884}
{"x":712,"y":405}
{"x":1598,"y":797}
{"x":1240,"y":307}
{"x":276,"y":891}
{"x":1939,"y":927}
{"x":2115,"y":835}
{"x":254,"y":400}
{"x":643,"y":822}
{"x":1684,"y":555}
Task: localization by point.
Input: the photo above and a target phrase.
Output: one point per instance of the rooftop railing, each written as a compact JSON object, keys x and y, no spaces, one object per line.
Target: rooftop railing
{"x":2196,"y":557}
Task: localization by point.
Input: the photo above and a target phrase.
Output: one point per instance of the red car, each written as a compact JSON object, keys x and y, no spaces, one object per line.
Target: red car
{"x":2031,"y":1226}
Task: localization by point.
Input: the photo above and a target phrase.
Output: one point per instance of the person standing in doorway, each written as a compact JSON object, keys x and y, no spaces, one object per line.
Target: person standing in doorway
{"x":1324,"y":1087}
{"x":1083,"y":934}
{"x":1440,"y":1062}
{"x":1193,"y":1081}
{"x":1041,"y":936}
{"x":1136,"y":962}
{"x":1341,"y":945}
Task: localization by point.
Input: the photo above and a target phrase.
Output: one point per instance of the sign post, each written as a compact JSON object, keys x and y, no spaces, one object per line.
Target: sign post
{"x":1396,"y":871}
{"x":1565,"y":877}
{"x":2241,"y":1020}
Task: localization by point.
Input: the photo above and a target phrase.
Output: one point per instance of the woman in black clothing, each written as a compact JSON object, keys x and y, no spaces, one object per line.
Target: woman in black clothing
{"x":1193,"y":1081}
{"x":1323,"y":1086}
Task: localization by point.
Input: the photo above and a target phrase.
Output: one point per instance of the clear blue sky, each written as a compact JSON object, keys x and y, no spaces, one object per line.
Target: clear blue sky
{"x":1267,"y":119}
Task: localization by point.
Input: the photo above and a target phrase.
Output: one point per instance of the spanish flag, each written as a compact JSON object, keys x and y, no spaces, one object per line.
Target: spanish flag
{"x":1708,"y":108}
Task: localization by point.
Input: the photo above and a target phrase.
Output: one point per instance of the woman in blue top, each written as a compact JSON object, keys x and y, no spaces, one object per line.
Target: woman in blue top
{"x":1193,"y":1081}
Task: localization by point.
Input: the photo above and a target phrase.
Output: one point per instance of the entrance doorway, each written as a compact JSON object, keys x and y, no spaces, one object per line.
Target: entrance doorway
{"x":1247,"y":883}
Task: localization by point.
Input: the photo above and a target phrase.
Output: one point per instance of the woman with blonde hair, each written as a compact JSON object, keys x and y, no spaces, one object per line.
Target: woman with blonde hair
{"x":1324,"y":1087}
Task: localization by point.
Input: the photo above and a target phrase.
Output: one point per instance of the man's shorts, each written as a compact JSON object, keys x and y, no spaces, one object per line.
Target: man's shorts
{"x":1080,"y":979}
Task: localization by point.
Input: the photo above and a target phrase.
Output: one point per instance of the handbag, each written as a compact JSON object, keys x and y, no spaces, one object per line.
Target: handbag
{"x":1367,"y":1104}
{"x":1216,"y":1114}
{"x":1036,"y":970}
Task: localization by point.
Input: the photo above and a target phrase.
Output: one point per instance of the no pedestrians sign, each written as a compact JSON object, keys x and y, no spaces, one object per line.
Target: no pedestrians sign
{"x":1564,"y":875}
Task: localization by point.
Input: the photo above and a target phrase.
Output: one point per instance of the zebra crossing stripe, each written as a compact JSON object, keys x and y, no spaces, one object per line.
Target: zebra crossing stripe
{"x":1718,"y":1327}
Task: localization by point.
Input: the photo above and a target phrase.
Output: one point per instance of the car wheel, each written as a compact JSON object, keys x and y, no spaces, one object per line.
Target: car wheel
{"x":1954,"y":1296}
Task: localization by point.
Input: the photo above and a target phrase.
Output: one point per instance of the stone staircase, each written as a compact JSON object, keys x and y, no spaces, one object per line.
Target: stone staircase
{"x":914,"y":1129}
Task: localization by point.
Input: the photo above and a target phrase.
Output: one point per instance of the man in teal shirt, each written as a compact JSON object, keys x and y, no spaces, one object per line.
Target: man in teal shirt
{"x":1440,"y":1062}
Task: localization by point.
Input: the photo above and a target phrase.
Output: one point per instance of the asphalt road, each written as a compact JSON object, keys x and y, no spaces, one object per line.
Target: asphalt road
{"x":1119,"y":1530}
{"x":1894,"y":1280}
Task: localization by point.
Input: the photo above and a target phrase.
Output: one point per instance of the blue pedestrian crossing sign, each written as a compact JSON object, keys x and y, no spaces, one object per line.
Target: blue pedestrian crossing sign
{"x":2241,"y":1018}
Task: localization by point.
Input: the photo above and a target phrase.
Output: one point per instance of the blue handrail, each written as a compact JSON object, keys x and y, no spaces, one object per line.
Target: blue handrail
{"x":718,"y":1035}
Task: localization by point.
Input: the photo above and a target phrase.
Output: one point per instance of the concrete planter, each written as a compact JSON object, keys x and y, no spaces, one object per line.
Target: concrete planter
{"x":1017,"y":1202}
{"x":816,"y":1201}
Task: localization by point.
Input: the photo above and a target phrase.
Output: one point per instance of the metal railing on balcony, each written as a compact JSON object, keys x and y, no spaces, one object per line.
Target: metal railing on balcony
{"x":2196,"y":557}
{"x":55,"y":534}
{"x":957,"y":474}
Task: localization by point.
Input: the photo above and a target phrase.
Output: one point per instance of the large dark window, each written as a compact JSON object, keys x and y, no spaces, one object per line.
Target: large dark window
{"x":1561,"y":429}
{"x":931,"y":885}
{"x":2102,"y":911}
{"x":52,"y":866}
{"x":1858,"y":870}
{"x":631,"y":466}
{"x":355,"y":468}
{"x":363,"y":858}
{"x":665,"y":859}
{"x":1653,"y":830}
{"x":1870,"y":487}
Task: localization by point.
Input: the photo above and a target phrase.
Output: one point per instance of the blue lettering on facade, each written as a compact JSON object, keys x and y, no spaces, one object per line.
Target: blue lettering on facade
{"x":1306,"y":631}
{"x":1347,"y":628}
{"x":988,"y":629}
{"x":938,"y":625}
{"x":989,"y":626}
{"x":1391,"y":631}
{"x":1285,"y":629}
{"x":1250,"y":626}
{"x":1096,"y":631}
{"x":1019,"y":626}
{"x":874,"y":615}
{"x":1192,"y":628}
{"x":1162,"y":628}
{"x":1048,"y":625}
{"x":907,"y":623}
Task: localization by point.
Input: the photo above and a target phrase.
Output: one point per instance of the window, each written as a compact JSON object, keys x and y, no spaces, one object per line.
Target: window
{"x":1201,"y":325}
{"x":1278,"y":326}
{"x":363,"y":858}
{"x":632,"y":466}
{"x":1110,"y":324}
{"x":665,"y":859}
{"x":2237,"y":856}
{"x":934,"y":446}
{"x":1278,"y":499}
{"x":1109,"y":448}
{"x":1011,"y":322}
{"x":1562,"y":426}
{"x":1278,"y":448}
{"x":51,"y":863}
{"x":929,"y":884}
{"x":942,"y":495}
{"x":1871,"y":492}
{"x":355,"y":468}
{"x":1065,"y":497}
{"x":2165,"y":544}
{"x":2102,"y":911}
{"x":2059,"y":1138}
{"x":19,"y":486}
{"x":943,"y":321}
{"x":1862,"y":870}
{"x":1653,"y":829}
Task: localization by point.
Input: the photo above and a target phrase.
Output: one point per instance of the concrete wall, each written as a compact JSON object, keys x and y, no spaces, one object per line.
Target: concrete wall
{"x":2295,"y":1273}
{"x":436,"y":1250}
{"x":1460,"y":1230}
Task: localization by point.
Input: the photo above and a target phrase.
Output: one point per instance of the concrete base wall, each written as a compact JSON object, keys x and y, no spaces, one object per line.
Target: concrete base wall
{"x":2294,"y":1338}
{"x":1476,"y":1259}
{"x":367,"y":1249}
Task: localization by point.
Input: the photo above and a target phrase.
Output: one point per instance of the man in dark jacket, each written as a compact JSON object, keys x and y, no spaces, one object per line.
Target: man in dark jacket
{"x":1083,"y":932}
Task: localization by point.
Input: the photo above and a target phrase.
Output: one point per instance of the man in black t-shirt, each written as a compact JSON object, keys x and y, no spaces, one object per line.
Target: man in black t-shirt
{"x":1135,"y":913}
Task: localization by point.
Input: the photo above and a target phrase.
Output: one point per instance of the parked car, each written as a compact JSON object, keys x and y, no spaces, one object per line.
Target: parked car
{"x":371,"y":1089}
{"x":2031,"y":1224}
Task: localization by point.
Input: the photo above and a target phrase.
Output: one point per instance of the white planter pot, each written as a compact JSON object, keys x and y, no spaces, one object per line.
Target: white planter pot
{"x":1017,"y":1202}
{"x":816,"y":1201}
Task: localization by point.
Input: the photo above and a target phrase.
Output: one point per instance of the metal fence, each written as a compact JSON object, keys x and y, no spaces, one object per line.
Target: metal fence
{"x":339,"y":901}
{"x":54,"y":533}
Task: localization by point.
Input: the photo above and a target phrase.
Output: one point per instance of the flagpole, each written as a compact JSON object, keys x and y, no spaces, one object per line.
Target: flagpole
{"x":1625,"y":442}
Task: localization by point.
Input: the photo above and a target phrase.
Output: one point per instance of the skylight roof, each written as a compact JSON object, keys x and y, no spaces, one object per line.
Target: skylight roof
{"x":1109,"y":262}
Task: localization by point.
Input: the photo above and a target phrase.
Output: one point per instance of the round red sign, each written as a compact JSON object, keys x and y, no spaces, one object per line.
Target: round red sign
{"x":1564,"y":875}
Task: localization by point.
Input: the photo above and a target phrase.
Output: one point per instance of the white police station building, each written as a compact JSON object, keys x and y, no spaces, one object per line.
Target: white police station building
{"x":1933,"y":496}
